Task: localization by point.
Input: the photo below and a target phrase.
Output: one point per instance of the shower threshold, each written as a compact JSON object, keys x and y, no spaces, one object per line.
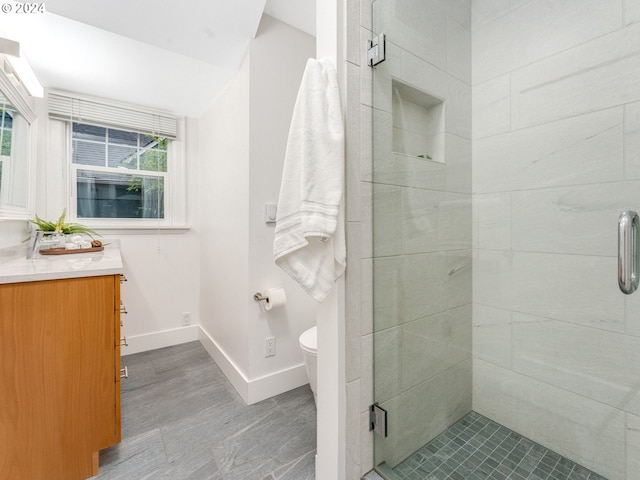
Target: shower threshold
{"x":476,"y":448}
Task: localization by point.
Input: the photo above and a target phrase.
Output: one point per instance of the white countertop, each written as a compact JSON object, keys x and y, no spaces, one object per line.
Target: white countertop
{"x":16,"y":268}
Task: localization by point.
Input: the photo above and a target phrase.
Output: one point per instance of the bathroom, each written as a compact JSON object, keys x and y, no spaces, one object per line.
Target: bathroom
{"x":541,"y":126}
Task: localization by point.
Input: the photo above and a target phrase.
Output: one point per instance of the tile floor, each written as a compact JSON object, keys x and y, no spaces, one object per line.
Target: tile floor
{"x":182,"y":420}
{"x":476,"y":448}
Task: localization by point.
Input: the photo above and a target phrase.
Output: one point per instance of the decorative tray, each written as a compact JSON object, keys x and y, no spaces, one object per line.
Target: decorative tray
{"x":64,"y":251}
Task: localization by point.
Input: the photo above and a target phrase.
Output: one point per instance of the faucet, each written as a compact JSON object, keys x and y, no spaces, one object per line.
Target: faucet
{"x":34,"y":243}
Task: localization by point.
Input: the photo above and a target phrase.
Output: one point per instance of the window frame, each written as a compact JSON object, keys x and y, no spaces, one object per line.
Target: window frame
{"x":174,"y":185}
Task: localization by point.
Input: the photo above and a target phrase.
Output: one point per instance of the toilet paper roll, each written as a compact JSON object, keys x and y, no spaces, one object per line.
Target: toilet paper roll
{"x":275,"y":298}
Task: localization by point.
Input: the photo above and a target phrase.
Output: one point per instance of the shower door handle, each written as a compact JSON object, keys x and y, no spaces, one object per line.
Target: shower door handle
{"x":628,"y":261}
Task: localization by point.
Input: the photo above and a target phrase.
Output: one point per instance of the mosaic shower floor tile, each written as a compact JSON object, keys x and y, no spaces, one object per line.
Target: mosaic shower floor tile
{"x":476,"y":448}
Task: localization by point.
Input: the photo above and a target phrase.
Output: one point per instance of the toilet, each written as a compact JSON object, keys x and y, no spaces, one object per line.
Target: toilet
{"x":309,"y":345}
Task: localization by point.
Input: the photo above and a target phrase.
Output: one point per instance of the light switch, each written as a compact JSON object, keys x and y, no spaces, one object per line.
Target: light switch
{"x":270,"y":212}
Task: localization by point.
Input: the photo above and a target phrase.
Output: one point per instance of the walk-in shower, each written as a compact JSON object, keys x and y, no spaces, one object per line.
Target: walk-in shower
{"x":506,"y":144}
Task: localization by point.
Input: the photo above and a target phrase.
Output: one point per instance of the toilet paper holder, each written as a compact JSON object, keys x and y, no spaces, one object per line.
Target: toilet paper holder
{"x":272,"y":298}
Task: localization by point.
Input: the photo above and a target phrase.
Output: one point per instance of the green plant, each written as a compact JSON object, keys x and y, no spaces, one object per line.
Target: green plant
{"x":60,"y":226}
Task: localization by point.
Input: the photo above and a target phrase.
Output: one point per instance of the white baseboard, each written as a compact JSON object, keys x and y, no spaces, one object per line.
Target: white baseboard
{"x":276,"y":383}
{"x":164,"y":338}
{"x":253,"y":391}
{"x":230,"y":369}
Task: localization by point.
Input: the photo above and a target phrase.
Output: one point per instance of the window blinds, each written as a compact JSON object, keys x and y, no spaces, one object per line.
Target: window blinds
{"x":76,"y":108}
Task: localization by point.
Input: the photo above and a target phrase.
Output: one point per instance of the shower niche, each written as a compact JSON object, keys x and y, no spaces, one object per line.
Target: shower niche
{"x":418,"y":123}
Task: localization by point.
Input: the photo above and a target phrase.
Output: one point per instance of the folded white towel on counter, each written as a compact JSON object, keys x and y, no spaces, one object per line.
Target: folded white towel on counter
{"x":309,"y":241}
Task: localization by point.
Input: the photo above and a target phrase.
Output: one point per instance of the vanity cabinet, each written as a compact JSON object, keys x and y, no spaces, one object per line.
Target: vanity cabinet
{"x":59,"y":376}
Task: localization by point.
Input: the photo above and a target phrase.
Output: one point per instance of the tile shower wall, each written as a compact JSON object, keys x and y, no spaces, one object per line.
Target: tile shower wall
{"x":417,"y":212}
{"x":556,"y":158}
{"x":358,"y":311}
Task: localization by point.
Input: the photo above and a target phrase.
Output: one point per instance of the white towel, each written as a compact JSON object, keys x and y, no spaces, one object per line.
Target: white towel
{"x":309,"y":239}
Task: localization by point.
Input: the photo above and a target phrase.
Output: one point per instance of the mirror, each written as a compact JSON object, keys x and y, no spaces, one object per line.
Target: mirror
{"x":17,"y":136}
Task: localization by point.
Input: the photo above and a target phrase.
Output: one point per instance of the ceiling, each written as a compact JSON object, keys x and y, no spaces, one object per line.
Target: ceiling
{"x":177,"y":56}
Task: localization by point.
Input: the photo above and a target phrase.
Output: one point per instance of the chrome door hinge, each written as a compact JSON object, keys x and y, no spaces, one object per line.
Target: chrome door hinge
{"x":378,"y":420}
{"x":376,"y":50}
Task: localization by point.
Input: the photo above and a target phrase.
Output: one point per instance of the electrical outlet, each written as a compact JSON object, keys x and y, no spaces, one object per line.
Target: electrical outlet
{"x":269,"y":346}
{"x":186,"y":319}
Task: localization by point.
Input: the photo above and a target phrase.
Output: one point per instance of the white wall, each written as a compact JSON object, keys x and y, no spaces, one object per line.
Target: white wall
{"x":278,"y":57}
{"x":224,"y":194}
{"x":556,"y":109}
{"x":242,"y":144}
{"x":162,"y":283}
{"x":335,"y":444}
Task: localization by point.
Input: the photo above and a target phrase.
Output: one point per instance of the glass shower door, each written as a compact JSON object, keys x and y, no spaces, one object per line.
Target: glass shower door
{"x":421,"y":231}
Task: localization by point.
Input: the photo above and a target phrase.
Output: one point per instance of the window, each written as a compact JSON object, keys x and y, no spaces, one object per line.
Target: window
{"x":118,"y":173}
{"x":6,"y":123}
{"x":126,"y":166}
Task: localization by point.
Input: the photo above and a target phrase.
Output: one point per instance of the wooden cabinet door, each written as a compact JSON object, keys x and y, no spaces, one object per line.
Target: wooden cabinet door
{"x":57,"y":386}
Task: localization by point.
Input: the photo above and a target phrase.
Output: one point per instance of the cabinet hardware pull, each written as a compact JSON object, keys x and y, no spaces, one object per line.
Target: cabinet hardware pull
{"x":123,"y":342}
{"x":123,"y":309}
{"x":123,"y":278}
{"x":124,"y":372}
